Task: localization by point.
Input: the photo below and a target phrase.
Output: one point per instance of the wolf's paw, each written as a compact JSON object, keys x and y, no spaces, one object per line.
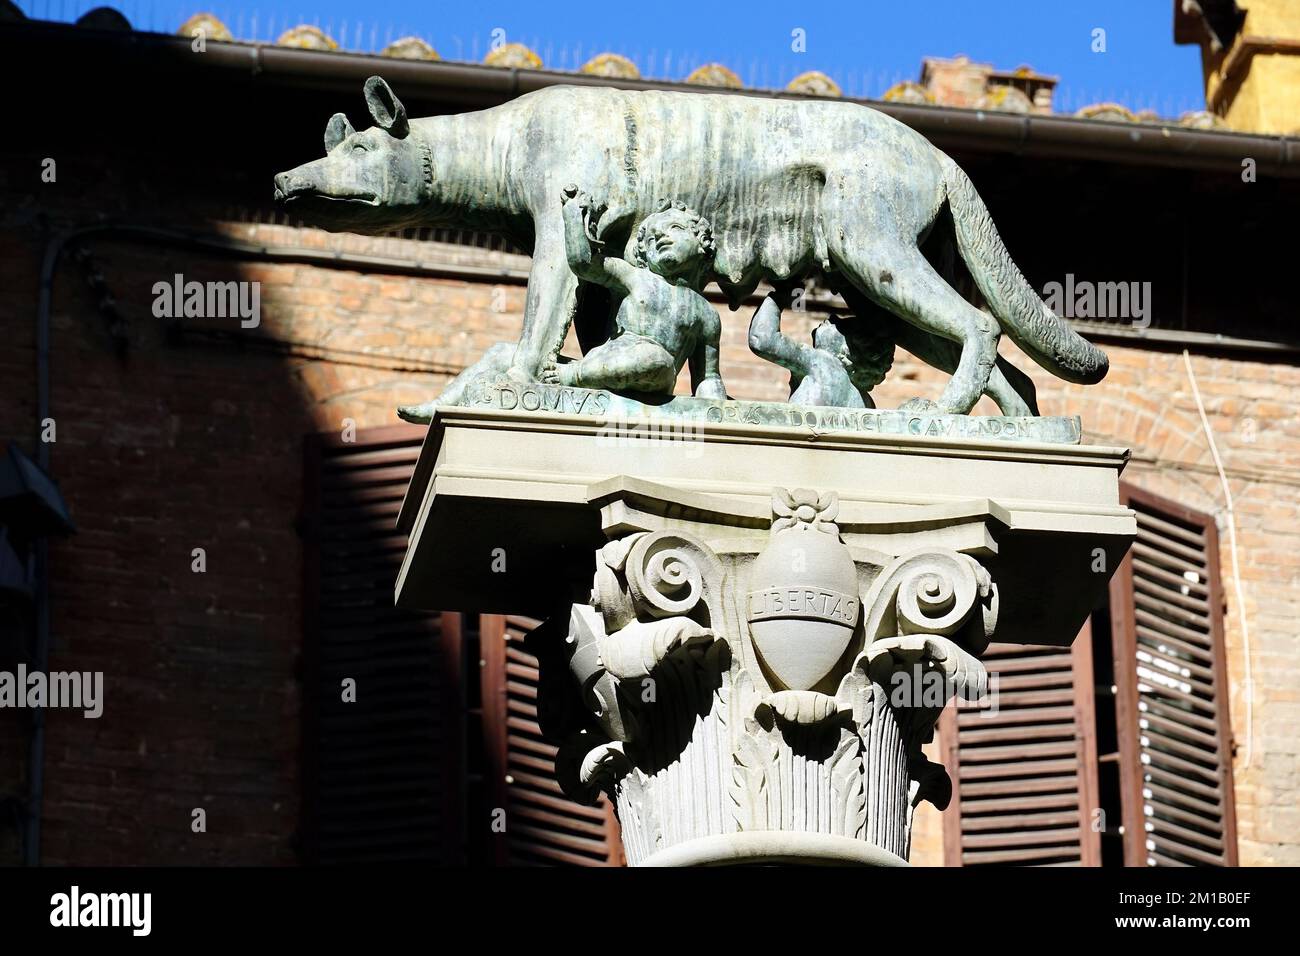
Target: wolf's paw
{"x":920,"y":406}
{"x":417,"y":414}
{"x":519,"y":376}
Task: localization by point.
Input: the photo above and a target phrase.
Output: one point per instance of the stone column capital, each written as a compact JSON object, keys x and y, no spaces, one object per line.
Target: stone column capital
{"x":748,"y":638}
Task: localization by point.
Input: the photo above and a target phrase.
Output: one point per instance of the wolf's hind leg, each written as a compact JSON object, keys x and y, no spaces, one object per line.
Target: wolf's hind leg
{"x":895,"y":275}
{"x":1010,"y":388}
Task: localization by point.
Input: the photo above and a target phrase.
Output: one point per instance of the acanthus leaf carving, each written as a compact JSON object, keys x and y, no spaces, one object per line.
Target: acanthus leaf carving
{"x":637,"y":649}
{"x":963,"y":674}
{"x":755,"y":789}
{"x":604,"y":765}
{"x":849,"y":797}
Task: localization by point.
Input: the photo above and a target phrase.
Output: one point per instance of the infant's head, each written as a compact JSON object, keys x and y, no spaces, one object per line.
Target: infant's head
{"x":865,"y":352}
{"x":674,"y":242}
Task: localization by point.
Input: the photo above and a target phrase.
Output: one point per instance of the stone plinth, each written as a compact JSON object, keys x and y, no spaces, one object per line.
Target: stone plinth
{"x":751,"y":630}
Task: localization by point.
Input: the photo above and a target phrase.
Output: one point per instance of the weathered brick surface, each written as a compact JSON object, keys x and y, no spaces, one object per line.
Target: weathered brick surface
{"x":1253,"y":407}
{"x":198,"y":444}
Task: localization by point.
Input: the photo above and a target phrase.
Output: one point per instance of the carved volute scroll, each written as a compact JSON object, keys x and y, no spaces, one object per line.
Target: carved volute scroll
{"x":935,"y":592}
{"x":666,"y":577}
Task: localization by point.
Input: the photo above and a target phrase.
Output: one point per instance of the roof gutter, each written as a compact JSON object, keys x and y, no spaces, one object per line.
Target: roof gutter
{"x":949,"y":127}
{"x":476,"y":86}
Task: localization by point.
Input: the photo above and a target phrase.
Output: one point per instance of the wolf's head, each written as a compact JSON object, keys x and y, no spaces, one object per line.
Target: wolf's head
{"x":372,"y":181}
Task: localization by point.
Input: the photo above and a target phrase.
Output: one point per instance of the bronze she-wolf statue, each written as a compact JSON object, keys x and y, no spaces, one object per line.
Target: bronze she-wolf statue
{"x":790,"y":187}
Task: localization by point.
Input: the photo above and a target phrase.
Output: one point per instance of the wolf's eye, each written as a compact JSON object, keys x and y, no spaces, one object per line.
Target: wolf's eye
{"x":359,"y":148}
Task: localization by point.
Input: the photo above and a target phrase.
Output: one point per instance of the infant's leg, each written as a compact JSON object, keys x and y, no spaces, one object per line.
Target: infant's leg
{"x":627,"y":363}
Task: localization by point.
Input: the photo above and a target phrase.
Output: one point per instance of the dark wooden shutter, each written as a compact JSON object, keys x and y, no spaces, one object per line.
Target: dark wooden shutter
{"x":1024,"y":778}
{"x":1172,"y":699}
{"x":543,"y":826}
{"x":1156,"y":701}
{"x":383,"y":777}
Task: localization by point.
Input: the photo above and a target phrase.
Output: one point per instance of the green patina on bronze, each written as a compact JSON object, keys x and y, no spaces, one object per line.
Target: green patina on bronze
{"x":791,"y":188}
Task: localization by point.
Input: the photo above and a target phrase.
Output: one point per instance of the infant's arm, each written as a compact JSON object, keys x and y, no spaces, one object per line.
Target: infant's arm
{"x":620,"y":275}
{"x":706,"y":373}
{"x":577,"y":246}
{"x":767,"y":341}
{"x":587,"y":262}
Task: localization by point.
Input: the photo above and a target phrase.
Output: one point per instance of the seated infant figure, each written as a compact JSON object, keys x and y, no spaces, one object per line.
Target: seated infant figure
{"x":663,"y":321}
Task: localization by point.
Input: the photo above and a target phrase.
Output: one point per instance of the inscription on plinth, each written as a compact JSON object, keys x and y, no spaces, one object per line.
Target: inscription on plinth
{"x":630,"y":414}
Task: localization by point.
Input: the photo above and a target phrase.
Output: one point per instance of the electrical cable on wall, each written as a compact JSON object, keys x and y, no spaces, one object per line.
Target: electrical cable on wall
{"x":1248,"y":684}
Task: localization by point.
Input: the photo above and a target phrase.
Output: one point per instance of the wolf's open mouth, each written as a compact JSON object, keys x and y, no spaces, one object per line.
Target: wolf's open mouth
{"x":368,"y":199}
{"x":305,"y":191}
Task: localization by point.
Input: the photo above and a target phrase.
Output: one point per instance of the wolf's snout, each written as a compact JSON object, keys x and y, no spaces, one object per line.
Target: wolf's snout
{"x":283,"y":186}
{"x":293,"y":183}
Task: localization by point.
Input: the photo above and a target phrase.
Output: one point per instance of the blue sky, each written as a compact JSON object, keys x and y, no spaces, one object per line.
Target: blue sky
{"x":865,"y":45}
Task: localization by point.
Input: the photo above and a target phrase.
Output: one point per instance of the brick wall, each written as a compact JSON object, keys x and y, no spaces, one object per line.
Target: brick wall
{"x":197,"y":443}
{"x":1146,"y":403}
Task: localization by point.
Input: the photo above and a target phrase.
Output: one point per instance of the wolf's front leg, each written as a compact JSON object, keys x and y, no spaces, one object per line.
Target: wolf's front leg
{"x":550,"y":304}
{"x":490,"y":367}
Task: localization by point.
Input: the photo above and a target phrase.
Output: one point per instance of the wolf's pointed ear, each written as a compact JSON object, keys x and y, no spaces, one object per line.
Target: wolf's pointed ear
{"x":386,"y":109}
{"x":336,"y":131}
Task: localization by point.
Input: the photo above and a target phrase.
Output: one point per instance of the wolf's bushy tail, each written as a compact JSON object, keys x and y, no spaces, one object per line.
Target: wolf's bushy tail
{"x":1025,"y":317}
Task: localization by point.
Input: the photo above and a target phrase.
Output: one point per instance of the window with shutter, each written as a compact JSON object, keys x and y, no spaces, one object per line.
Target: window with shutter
{"x":1131,"y":720}
{"x":382,"y":775}
{"x":1174,"y":736}
{"x":543,"y":826}
{"x":1024,"y":782}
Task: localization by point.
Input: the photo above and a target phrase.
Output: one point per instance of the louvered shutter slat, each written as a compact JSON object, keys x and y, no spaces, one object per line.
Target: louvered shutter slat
{"x":1168,"y":743}
{"x":1037,"y":715}
{"x":1040,"y":823}
{"x":1031,"y":785}
{"x":972,"y":769}
{"x":1160,"y":859}
{"x":1183,"y":730}
{"x":1154,"y":772}
{"x":1066,"y":838}
{"x":1043,"y":665}
{"x":1159,"y":629}
{"x":1179,"y":806}
{"x":1039,"y":856}
{"x":1020,"y":804}
{"x":972,"y":735}
{"x":1187,"y":602}
{"x":1153,"y":706}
